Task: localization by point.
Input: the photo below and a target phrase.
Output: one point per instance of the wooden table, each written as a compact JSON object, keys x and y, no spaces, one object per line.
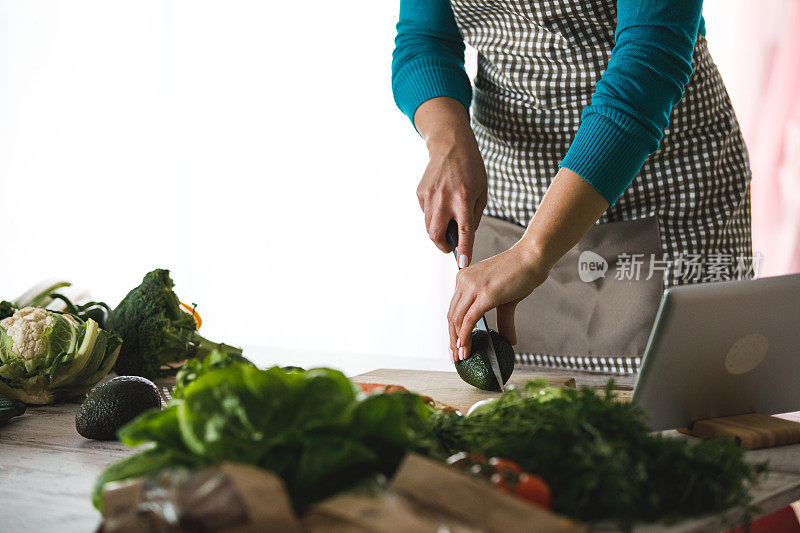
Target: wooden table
{"x":47,"y":470}
{"x":449,"y":389}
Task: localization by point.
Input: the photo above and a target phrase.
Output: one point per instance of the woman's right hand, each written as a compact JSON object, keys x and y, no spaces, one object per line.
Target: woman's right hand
{"x":454,"y":185}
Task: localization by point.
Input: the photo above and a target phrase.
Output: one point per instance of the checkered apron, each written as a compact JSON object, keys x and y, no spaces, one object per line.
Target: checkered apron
{"x":537,"y":66}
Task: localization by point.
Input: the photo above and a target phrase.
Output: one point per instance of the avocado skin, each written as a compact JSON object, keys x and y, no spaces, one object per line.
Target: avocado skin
{"x":113,"y":404}
{"x":9,"y":409}
{"x":477,"y":370}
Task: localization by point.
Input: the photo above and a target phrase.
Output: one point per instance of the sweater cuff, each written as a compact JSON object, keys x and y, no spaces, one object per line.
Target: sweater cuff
{"x":609,"y":150}
{"x":429,"y":77}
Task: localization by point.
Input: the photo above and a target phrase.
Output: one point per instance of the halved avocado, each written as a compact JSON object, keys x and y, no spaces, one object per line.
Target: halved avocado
{"x":477,"y":370}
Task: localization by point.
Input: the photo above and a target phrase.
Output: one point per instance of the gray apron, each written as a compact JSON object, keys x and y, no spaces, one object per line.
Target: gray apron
{"x":537,"y":66}
{"x":599,"y":322}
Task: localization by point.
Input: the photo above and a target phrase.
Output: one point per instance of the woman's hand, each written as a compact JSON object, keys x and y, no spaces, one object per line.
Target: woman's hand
{"x":498,"y":282}
{"x":454,"y":185}
{"x":569,"y":208}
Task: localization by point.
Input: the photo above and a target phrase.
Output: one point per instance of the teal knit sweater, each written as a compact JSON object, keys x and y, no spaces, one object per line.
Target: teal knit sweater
{"x":650,"y":65}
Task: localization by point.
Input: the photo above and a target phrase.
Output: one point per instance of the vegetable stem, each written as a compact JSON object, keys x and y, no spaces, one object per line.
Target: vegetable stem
{"x":205,"y":347}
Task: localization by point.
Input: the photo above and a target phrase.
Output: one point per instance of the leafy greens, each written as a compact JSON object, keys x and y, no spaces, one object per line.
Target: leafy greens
{"x":321,"y":436}
{"x":599,"y":458}
{"x":312,"y":428}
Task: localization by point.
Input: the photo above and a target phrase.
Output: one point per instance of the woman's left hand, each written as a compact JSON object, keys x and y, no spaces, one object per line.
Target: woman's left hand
{"x":498,"y":282}
{"x":568,"y":210}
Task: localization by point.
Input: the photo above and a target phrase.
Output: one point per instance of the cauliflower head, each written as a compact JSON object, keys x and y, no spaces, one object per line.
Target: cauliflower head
{"x":47,"y":356}
{"x":28,"y":330}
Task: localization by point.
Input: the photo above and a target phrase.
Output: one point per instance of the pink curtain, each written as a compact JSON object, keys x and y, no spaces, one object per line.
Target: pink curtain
{"x":773,"y":137}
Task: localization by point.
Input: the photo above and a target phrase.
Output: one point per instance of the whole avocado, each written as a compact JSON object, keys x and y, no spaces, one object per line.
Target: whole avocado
{"x":477,"y":369}
{"x":113,"y":404}
{"x":9,"y":408}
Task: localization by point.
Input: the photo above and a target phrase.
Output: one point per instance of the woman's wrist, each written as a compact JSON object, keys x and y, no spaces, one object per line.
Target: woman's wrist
{"x":535,"y":254}
{"x":443,"y":123}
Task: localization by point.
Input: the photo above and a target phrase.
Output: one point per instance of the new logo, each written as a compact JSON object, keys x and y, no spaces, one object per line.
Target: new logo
{"x":591,"y":266}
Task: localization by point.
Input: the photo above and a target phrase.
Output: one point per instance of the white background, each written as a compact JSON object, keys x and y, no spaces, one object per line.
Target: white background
{"x":251,"y":147}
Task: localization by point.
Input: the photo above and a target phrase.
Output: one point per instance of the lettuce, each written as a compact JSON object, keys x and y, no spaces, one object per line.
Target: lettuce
{"x":312,"y":428}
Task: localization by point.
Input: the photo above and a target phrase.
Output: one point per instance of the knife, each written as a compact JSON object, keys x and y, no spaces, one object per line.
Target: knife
{"x":452,"y":239}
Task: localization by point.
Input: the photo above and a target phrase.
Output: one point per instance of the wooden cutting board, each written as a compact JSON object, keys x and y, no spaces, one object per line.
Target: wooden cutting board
{"x":447,"y":387}
{"x":751,"y":431}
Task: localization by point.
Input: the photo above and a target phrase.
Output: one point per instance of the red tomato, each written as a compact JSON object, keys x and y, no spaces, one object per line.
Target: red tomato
{"x":504,"y":464}
{"x":371,"y":387}
{"x":500,"y":482}
{"x":533,"y":489}
{"x":477,"y":458}
{"x":480,"y":470}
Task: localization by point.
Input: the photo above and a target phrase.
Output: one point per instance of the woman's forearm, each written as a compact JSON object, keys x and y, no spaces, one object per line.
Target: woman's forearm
{"x":570,"y":208}
{"x":443,"y":122}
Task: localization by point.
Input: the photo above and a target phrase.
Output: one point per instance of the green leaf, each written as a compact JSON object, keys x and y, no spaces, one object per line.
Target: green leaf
{"x":6,"y":342}
{"x":61,"y":361}
{"x":63,"y":335}
{"x":13,"y":368}
{"x":195,"y":368}
{"x":157,"y":425}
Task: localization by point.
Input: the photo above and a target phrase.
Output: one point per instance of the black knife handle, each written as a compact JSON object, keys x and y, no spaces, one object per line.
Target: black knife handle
{"x":452,"y":236}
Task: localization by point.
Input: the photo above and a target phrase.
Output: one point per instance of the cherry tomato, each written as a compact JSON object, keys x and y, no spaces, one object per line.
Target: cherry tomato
{"x":500,"y":481}
{"x":480,"y":470}
{"x":533,"y":489}
{"x":504,"y":464}
{"x":371,"y":387}
{"x":477,"y":458}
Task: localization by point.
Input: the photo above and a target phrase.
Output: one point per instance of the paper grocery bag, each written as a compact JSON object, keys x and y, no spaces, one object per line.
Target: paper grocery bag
{"x":432,"y":484}
{"x":228,"y":498}
{"x":428,"y":496}
{"x":350,"y":513}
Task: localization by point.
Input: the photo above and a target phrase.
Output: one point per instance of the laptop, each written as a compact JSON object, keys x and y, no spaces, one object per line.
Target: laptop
{"x":722,"y":349}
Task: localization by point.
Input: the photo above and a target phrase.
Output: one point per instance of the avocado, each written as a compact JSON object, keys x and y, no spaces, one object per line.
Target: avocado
{"x":113,"y":404}
{"x":477,"y":370}
{"x":10,"y":408}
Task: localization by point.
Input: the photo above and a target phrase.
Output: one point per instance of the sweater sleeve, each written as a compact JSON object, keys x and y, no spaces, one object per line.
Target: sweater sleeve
{"x":428,"y":59}
{"x":649,"y":67}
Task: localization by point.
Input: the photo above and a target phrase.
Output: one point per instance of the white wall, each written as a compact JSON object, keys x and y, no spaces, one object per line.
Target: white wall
{"x":252,"y":147}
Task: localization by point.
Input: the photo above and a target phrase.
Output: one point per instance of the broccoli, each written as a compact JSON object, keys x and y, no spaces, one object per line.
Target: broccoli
{"x":157,"y":335}
{"x":6,"y":309}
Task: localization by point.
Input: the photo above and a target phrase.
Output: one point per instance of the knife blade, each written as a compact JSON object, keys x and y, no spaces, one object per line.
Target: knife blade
{"x":452,"y":239}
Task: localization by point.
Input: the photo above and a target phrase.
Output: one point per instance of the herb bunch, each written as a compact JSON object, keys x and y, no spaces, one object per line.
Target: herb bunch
{"x":600,"y":459}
